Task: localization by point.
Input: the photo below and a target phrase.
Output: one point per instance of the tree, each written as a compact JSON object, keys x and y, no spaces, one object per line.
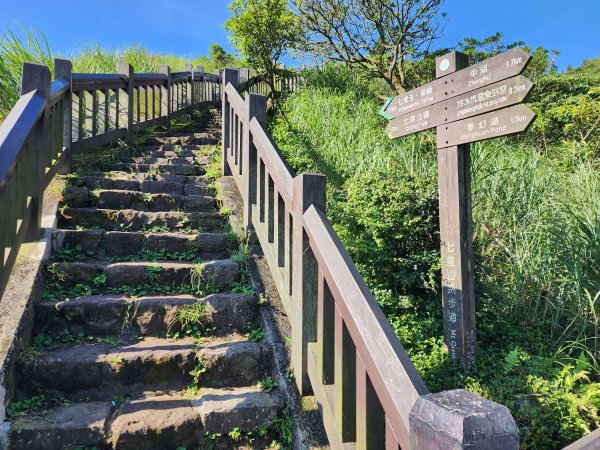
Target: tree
{"x":263,"y":31}
{"x":219,"y":56}
{"x":378,"y":36}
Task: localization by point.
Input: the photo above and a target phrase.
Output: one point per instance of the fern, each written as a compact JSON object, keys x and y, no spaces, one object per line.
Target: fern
{"x":512,"y":360}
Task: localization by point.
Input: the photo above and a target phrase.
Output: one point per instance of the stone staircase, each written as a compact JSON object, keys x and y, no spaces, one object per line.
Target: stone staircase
{"x":148,"y":336}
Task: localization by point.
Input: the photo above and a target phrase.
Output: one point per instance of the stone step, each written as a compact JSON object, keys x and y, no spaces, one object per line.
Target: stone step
{"x":175,"y":169}
{"x":170,"y":160}
{"x":231,"y":361}
{"x":162,"y":273}
{"x":170,"y":422}
{"x":87,"y":244}
{"x":205,"y":138}
{"x":148,"y":183}
{"x":80,"y":425}
{"x":166,"y":152}
{"x":141,"y":201}
{"x":150,"y":422}
{"x":112,"y":315}
{"x":131,"y":220}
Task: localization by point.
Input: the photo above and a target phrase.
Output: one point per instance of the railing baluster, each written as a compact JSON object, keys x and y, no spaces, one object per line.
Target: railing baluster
{"x":270,"y":187}
{"x":127,"y":70}
{"x":345,"y":380}
{"x":166,"y":95}
{"x":370,"y":419}
{"x":280,"y":230}
{"x":261,"y":190}
{"x":325,"y":332}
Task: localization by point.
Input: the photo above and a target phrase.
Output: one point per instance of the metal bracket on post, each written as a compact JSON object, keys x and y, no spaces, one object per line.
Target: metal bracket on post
{"x":64,"y":69}
{"x":309,"y":189}
{"x":36,"y":77}
{"x":229,"y":76}
{"x":256,"y":106}
{"x":166,"y":98}
{"x":127,"y":70}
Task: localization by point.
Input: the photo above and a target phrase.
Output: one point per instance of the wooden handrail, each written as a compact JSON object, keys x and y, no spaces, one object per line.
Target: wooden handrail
{"x":344,"y":349}
{"x":78,"y":111}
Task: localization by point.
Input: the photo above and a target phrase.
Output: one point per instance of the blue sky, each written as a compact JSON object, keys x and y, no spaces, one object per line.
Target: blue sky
{"x":188,"y":27}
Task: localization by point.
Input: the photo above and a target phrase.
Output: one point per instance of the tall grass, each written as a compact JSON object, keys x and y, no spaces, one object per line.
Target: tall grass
{"x":32,"y":46}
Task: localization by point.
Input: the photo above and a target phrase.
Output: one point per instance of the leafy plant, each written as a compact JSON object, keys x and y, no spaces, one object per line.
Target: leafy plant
{"x":268,"y":384}
{"x":255,"y":335}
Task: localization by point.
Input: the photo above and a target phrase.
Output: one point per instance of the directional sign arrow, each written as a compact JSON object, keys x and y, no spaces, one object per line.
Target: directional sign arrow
{"x":486,"y":126}
{"x":492,"y":70}
{"x":496,"y":96}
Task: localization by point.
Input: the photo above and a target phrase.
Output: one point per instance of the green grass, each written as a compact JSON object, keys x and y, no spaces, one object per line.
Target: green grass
{"x":537,"y":251}
{"x":17,"y":47}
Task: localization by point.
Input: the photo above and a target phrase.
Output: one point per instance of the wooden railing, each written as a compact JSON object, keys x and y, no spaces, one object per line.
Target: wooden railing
{"x":251,"y":83}
{"x":77,"y":112}
{"x":343,"y":348}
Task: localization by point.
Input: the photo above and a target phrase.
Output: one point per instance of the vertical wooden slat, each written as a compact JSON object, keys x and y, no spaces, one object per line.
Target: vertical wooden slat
{"x":391,"y":441}
{"x":325,"y":332}
{"x":95,"y":101}
{"x":289,"y":250}
{"x":261,"y":190}
{"x":280,"y":230}
{"x":138,"y":106}
{"x":89,"y":113}
{"x":345,"y":380}
{"x":113,"y":110}
{"x":76,"y":118}
{"x":370,"y":419}
{"x":270,"y":209}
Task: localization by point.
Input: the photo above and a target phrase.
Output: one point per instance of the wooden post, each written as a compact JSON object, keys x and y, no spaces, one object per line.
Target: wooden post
{"x":309,"y":189}
{"x":244,"y":75}
{"x":64,"y":69}
{"x":190,"y":68}
{"x":458,"y":291}
{"x":126,"y":69}
{"x":202,"y":85}
{"x":166,"y":98}
{"x":256,"y":106}
{"x":217,"y":87}
{"x":36,"y":77}
{"x":229,"y":76}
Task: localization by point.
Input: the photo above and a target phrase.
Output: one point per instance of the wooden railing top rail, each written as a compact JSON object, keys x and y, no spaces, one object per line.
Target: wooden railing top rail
{"x":282,"y":174}
{"x":15,"y":131}
{"x":58,"y":90}
{"x":235,"y":99}
{"x":393,"y":375}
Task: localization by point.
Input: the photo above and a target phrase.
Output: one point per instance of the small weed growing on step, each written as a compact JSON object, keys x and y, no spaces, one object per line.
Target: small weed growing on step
{"x":289,"y":375}
{"x":116,"y":364}
{"x":147,"y":199}
{"x":44,"y":340}
{"x":239,"y":287}
{"x":189,"y":320}
{"x":153,"y":273}
{"x":100,"y":280}
{"x":197,"y":278}
{"x":70,"y":255}
{"x":262,"y":299}
{"x":268,"y":384}
{"x":255,"y":335}
{"x":235,"y":434}
{"x":225,"y":211}
{"x":197,"y":371}
{"x":156,"y":229}
{"x":26,"y":406}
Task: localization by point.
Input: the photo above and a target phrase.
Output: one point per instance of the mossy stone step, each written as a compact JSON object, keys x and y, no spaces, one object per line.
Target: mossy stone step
{"x":131,"y":220}
{"x":175,"y":169}
{"x":140,"y":201}
{"x":115,"y":315}
{"x":100,"y":243}
{"x":230,"y":361}
{"x":150,"y":422}
{"x":136,"y":273}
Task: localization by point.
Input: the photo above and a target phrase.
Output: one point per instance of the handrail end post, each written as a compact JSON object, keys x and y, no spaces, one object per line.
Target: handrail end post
{"x":256,"y":108}
{"x":229,"y":76}
{"x":309,"y":189}
{"x":190,"y":68}
{"x":166,"y":70}
{"x":63,"y":68}
{"x":459,"y":419}
{"x":36,"y":77}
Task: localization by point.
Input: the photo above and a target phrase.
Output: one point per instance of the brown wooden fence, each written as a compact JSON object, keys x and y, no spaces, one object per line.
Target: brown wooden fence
{"x":77,"y":112}
{"x":343,"y":348}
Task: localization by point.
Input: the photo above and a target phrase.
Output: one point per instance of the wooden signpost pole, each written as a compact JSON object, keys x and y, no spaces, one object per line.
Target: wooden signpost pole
{"x":458,"y":290}
{"x":466,"y":104}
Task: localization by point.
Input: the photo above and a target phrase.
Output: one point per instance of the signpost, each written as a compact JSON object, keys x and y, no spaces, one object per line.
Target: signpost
{"x":467,"y":104}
